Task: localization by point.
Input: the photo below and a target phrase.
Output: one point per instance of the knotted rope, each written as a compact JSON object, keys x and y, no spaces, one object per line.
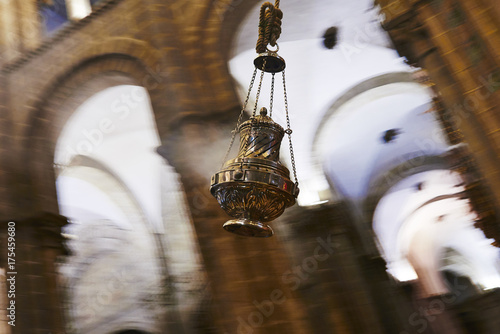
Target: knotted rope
{"x":269,"y":25}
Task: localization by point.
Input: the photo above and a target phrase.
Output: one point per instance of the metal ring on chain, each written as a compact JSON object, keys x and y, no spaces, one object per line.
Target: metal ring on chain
{"x":277,"y":48}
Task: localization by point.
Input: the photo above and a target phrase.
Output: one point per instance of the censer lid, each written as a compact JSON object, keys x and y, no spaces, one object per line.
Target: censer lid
{"x":262,"y":120}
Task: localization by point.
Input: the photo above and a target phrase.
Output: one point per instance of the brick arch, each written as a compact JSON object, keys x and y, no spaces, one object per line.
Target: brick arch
{"x":111,"y":55}
{"x":206,"y":46}
{"x":58,"y":102}
{"x":112,"y":179}
{"x":233,"y":16}
{"x":138,"y":49}
{"x":384,"y":181}
{"x":216,"y":33}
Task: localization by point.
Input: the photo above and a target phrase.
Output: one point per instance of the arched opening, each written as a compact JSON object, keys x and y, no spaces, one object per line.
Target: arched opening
{"x":425,"y":229}
{"x":459,"y":275}
{"x":108,"y":178}
{"x":129,"y":234}
{"x":116,"y":127}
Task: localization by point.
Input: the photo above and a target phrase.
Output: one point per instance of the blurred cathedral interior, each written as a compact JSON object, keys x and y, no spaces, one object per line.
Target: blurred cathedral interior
{"x":115,"y":114}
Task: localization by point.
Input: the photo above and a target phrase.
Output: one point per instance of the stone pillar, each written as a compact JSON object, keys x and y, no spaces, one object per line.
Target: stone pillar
{"x":29,"y":24}
{"x":4,"y":303}
{"x":434,"y":315}
{"x":9,"y":35}
{"x":19,"y":28}
{"x":480,"y":315}
{"x":391,"y":308}
{"x":354,"y":289}
{"x":8,"y":153}
{"x":30,"y":258}
{"x":324,"y":272}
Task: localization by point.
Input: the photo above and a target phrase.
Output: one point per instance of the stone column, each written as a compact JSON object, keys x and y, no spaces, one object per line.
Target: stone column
{"x":31,"y":266}
{"x":19,"y":28}
{"x":480,"y":314}
{"x":327,"y":272}
{"x":9,"y":35}
{"x":434,"y":315}
{"x":29,"y":24}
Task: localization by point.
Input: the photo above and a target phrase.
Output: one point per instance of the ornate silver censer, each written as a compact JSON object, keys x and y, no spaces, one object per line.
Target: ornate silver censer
{"x":255,"y":188}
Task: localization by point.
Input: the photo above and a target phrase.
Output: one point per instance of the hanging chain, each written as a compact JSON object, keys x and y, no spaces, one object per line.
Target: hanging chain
{"x":272,"y":97}
{"x":288,"y":131}
{"x":240,"y":116}
{"x":252,"y":119}
{"x":258,"y":93}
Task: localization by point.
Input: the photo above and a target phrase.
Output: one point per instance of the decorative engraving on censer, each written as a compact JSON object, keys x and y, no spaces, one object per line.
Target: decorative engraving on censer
{"x":255,"y":187}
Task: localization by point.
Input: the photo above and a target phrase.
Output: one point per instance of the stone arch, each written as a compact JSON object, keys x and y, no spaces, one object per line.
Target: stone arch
{"x":60,"y":98}
{"x":130,"y":204}
{"x":216,"y":30}
{"x":338,"y":102}
{"x":234,"y":14}
{"x":385,"y":181}
{"x":134,"y":58}
{"x":360,"y":88}
{"x":378,"y":181}
{"x":148,"y":59}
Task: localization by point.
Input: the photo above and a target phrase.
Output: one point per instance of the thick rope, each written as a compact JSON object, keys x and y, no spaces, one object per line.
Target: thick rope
{"x":269,"y":25}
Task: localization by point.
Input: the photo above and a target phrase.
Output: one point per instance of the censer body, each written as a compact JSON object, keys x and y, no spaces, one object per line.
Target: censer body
{"x":255,"y":188}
